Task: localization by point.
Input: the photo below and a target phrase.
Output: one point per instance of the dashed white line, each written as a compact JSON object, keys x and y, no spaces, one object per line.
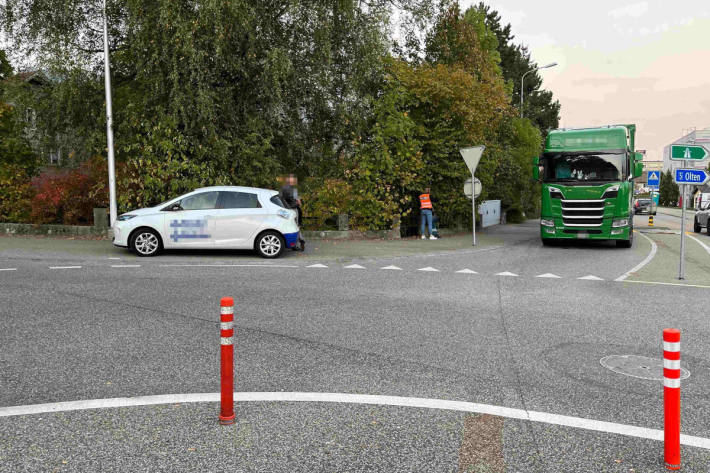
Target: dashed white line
{"x":354,"y":266}
{"x":218,"y":266}
{"x":347,"y":398}
{"x":393,"y":268}
{"x":548,"y":275}
{"x":507,"y":273}
{"x":317,"y":265}
{"x":65,"y":267}
{"x":466,"y":271}
{"x":643,"y":263}
{"x":113,"y":257}
{"x":429,"y":269}
{"x":8,"y":269}
{"x":590,"y":277}
{"x":125,"y":265}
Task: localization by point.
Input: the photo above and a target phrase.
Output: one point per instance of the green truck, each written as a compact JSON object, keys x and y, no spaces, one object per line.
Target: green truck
{"x":587,"y":184}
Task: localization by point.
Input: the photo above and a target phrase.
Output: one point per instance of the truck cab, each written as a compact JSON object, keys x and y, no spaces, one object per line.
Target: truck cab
{"x":587,"y":184}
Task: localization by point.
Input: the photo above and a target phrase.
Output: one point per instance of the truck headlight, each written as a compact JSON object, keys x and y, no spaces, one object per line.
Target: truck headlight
{"x":620,"y":222}
{"x":610,"y":192}
{"x":547,"y":223}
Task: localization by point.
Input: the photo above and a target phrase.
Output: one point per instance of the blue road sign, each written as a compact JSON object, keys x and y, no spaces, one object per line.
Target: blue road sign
{"x":654,"y":178}
{"x":691,"y":176}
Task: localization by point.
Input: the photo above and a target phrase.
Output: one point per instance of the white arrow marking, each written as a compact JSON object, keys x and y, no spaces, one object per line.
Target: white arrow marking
{"x":506,"y":273}
{"x":548,"y":275}
{"x":354,"y":266}
{"x":591,"y":277}
{"x":396,"y":268}
{"x":317,"y":265}
{"x":687,"y":153}
{"x":428,"y":268}
{"x":467,"y":271}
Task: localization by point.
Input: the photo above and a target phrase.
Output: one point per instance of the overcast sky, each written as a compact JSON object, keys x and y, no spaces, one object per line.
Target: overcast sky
{"x":643,"y":62}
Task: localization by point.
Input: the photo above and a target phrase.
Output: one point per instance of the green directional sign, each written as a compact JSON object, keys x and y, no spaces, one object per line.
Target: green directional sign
{"x":690,"y":152}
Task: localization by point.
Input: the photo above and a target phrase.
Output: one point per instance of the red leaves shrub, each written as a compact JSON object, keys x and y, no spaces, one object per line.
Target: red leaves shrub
{"x":69,"y":197}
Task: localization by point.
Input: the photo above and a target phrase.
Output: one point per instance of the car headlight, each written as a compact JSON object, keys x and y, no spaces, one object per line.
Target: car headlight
{"x":547,"y":223}
{"x":124,"y":217}
{"x":284,"y":213}
{"x":620,"y":222}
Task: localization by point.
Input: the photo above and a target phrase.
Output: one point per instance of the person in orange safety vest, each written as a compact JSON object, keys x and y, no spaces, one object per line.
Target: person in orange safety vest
{"x":426,"y":209}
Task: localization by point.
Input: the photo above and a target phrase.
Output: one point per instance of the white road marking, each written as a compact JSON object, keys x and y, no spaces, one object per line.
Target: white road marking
{"x":395,"y":268}
{"x":125,"y":265}
{"x":668,"y":283}
{"x":354,"y":266}
{"x":429,"y":269}
{"x":317,"y":265}
{"x":466,"y":271}
{"x":346,"y":398}
{"x":548,"y":275}
{"x":223,"y":266}
{"x":707,"y":248}
{"x":113,"y":257}
{"x":643,"y":263}
{"x":8,"y":269}
{"x":590,"y":277}
{"x":507,"y":273}
{"x":65,"y":267}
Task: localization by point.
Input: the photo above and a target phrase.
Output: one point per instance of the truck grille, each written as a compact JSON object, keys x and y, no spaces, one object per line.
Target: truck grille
{"x":582,"y":213}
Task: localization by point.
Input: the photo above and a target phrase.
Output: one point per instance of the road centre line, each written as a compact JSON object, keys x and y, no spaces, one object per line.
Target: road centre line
{"x":347,"y":398}
{"x":125,"y":265}
{"x":65,"y":267}
{"x":707,"y":248}
{"x":8,"y":269}
{"x":651,"y":255}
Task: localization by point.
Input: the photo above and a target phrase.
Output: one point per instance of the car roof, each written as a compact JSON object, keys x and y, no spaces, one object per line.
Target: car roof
{"x":237,"y":189}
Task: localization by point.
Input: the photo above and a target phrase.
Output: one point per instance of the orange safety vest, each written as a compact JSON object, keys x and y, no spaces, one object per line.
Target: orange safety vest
{"x":425,"y":201}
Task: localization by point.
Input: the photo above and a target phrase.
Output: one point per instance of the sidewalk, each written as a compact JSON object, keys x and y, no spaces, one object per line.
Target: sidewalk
{"x":675,"y":212}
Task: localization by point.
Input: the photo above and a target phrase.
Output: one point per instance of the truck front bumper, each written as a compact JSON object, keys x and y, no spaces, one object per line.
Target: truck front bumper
{"x":603,"y":232}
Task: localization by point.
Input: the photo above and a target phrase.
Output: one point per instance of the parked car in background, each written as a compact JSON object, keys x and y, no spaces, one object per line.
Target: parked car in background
{"x":211,"y":218}
{"x":702,"y":219}
{"x":643,"y":205}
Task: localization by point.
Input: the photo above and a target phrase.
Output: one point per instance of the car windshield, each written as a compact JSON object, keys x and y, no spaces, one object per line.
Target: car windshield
{"x":584,"y":166}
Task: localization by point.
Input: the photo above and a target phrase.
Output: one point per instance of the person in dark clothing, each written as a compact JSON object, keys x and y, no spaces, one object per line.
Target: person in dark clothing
{"x":289,"y":196}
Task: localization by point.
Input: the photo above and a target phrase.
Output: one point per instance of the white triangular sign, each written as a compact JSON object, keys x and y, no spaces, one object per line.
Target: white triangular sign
{"x":654,"y":176}
{"x":472,"y":156}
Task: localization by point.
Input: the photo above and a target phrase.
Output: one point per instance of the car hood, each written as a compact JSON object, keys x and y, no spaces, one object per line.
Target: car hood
{"x":145,"y":211}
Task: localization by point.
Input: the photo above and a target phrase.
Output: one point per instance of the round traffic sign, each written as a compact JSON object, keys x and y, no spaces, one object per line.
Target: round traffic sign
{"x":467,"y":188}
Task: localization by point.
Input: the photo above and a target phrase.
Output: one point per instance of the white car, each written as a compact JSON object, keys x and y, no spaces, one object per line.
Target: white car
{"x":211,"y":218}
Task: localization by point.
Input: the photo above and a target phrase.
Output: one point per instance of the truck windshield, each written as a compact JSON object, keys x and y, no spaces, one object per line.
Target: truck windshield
{"x":584,"y":166}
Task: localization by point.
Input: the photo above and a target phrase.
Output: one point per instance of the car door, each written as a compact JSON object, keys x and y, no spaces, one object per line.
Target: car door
{"x":238,"y":219}
{"x":192,"y":225}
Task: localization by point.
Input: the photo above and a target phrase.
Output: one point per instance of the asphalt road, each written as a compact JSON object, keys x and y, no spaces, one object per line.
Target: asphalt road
{"x":96,"y":328}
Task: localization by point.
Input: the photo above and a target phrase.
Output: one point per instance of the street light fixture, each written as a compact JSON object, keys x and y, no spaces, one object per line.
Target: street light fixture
{"x":522,"y":83}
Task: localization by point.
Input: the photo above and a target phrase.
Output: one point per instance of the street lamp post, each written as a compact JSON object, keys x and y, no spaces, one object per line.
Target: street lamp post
{"x":109,"y":130}
{"x":522,"y":83}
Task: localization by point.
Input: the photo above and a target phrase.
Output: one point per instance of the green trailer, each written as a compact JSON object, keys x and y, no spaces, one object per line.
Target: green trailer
{"x":587,"y":184}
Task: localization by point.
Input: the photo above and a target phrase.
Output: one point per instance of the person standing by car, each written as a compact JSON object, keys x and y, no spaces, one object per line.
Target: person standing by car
{"x":426,"y":209}
{"x":289,"y":196}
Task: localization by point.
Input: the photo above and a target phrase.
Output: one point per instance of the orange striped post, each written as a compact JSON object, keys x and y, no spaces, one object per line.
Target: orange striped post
{"x":671,"y":398}
{"x":226,"y":331}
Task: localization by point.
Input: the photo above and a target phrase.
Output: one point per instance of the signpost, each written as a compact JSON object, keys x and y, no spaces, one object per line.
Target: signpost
{"x":471,"y":157}
{"x":697,"y":177}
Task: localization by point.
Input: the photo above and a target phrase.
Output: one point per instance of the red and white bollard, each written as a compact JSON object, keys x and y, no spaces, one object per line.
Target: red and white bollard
{"x":671,"y":398}
{"x":226,"y":326}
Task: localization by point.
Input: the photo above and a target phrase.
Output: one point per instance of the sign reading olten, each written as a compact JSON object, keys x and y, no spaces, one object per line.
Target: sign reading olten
{"x":689,"y":152}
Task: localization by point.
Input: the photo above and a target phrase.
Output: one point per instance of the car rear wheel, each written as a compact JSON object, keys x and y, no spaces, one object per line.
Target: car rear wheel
{"x":269,"y":245}
{"x":145,"y":242}
{"x":696,"y":225}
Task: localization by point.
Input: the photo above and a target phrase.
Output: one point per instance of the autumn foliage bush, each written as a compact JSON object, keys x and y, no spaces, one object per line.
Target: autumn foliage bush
{"x":69,"y":197}
{"x":15,"y":194}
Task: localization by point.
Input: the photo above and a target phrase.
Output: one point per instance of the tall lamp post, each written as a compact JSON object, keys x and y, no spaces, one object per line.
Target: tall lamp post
{"x":522,"y":83}
{"x":109,"y":130}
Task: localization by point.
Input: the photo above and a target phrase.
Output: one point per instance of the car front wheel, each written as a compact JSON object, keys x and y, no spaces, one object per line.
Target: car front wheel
{"x":145,"y":242}
{"x":269,"y":245}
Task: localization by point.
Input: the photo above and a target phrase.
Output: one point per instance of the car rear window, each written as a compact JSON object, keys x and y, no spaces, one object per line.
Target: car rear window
{"x":277,"y":200}
{"x":239,"y":200}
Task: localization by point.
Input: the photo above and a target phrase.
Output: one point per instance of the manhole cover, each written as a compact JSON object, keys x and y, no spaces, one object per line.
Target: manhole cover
{"x":636,"y":366}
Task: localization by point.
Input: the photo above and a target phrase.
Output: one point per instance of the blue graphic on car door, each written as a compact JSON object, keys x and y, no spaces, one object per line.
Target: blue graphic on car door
{"x":188,"y":229}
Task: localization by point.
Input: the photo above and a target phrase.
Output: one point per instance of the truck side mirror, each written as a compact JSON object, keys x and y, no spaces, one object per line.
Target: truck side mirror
{"x":536,"y":168}
{"x":638,"y":164}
